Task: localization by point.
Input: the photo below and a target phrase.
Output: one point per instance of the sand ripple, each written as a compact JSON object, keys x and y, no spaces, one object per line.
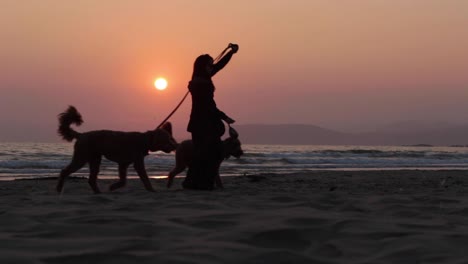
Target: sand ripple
{"x":320,"y":217}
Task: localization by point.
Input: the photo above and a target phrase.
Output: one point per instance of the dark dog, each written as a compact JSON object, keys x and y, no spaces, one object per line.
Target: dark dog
{"x":124,"y":148}
{"x":184,"y":155}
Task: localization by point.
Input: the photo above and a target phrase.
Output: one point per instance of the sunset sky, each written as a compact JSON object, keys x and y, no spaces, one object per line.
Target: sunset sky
{"x":344,"y":65}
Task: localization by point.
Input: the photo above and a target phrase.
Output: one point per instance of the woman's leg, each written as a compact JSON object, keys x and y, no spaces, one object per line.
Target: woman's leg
{"x":215,"y":158}
{"x":201,"y":174}
{"x":193,"y":171}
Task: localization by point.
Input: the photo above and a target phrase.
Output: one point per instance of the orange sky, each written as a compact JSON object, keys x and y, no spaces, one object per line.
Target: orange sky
{"x":346,"y":65}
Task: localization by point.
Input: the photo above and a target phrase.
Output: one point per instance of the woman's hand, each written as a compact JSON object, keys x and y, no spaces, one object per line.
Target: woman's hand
{"x":229,"y":120}
{"x":234,"y":47}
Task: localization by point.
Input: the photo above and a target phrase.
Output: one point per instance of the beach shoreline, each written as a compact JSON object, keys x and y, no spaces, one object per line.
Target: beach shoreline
{"x":405,"y":216}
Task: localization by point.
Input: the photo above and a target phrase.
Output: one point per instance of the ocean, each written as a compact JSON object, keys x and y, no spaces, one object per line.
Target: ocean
{"x":40,"y":160}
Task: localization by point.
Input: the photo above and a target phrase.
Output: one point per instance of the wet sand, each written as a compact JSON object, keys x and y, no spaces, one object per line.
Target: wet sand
{"x":311,"y":217}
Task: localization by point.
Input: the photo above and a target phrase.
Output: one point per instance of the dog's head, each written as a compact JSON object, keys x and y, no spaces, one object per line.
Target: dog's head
{"x":232,"y":145}
{"x":162,"y":139}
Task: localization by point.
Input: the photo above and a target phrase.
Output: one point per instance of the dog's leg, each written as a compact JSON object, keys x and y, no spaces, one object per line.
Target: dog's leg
{"x":218,"y":181}
{"x":93,"y":173}
{"x":176,"y":170}
{"x":139,"y":166}
{"x":181,"y":162}
{"x":122,"y":176}
{"x":74,"y":166}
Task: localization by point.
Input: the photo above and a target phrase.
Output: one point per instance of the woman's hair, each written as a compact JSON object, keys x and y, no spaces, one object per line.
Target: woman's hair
{"x":199,"y":67}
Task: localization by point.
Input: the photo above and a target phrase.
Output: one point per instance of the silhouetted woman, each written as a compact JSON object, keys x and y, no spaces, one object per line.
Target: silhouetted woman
{"x":206,"y":122}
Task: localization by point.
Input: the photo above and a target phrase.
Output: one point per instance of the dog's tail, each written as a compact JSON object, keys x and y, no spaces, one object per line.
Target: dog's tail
{"x":70,"y":116}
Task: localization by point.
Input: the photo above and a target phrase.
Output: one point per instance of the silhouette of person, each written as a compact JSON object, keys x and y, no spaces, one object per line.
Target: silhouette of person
{"x":206,"y":122}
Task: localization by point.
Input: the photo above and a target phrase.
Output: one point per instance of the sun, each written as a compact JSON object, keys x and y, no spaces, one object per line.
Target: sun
{"x":160,"y":83}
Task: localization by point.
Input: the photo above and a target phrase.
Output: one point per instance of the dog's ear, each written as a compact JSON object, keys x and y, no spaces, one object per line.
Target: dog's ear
{"x":168,"y":127}
{"x":233,"y":133}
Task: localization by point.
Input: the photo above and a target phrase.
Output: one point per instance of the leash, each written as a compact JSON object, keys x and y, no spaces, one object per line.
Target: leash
{"x":173,"y":111}
{"x":222,"y":53}
{"x":185,"y":96}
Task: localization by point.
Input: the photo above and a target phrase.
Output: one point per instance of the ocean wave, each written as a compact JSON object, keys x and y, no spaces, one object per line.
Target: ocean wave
{"x":353,"y":151}
{"x":49,"y":160}
{"x":359,"y":153}
{"x":20,"y":164}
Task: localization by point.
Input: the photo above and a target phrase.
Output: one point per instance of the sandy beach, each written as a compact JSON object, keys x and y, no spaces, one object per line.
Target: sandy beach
{"x":315,"y":217}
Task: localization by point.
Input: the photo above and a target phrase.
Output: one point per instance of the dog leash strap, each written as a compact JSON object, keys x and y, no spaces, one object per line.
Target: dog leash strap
{"x":173,"y":111}
{"x":185,"y":96}
{"x":221,"y":54}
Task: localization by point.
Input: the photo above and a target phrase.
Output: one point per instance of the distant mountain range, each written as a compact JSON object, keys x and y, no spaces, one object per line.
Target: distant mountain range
{"x":399,"y":134}
{"x":402,"y":133}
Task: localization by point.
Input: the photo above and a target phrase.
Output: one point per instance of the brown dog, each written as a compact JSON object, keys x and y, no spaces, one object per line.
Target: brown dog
{"x":184,"y":155}
{"x":124,"y":148}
